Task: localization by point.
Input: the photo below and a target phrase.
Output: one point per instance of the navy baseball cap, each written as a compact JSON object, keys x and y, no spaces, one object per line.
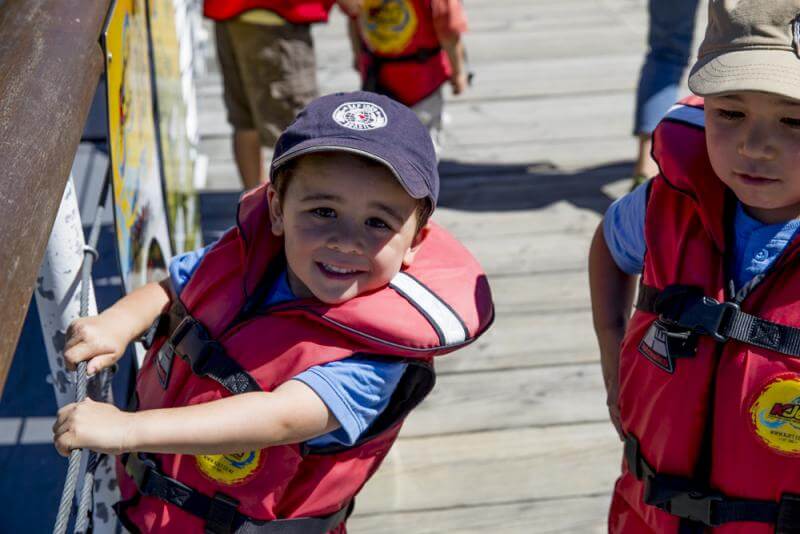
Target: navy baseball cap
{"x":369,"y":125}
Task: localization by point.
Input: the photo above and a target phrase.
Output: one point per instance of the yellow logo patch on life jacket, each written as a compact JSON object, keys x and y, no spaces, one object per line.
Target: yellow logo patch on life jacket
{"x":229,"y":469}
{"x":776,"y":415}
{"x":388,"y":25}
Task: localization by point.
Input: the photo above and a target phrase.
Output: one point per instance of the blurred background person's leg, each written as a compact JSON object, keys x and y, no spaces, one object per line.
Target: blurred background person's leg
{"x":269,"y":75}
{"x":669,"y":49}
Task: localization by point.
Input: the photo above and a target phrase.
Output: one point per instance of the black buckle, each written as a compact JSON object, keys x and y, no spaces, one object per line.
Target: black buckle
{"x":139,"y":468}
{"x":167,"y":349}
{"x":150,"y":334}
{"x":695,"y":506}
{"x":631,"y":452}
{"x":221,"y":514}
{"x":182,"y":329}
{"x":788,"y":520}
{"x":192,"y":344}
{"x":688,"y":308}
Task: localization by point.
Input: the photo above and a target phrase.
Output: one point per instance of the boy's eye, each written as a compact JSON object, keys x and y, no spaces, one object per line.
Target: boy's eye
{"x":376,"y":223}
{"x":324,"y":212}
{"x":730,"y":115}
{"x":791,"y":122}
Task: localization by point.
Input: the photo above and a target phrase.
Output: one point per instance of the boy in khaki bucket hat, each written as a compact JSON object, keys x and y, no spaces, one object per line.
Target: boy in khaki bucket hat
{"x":703,"y":380}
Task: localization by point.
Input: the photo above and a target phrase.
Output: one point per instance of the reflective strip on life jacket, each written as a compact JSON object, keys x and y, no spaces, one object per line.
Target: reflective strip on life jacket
{"x":449,"y":326}
{"x":688,"y":114}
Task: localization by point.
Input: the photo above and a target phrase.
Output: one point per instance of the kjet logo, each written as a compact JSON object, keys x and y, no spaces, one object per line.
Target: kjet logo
{"x":229,"y":469}
{"x":775,"y":414}
{"x":360,"y":116}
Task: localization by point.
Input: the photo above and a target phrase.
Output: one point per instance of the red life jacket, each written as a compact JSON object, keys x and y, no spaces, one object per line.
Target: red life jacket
{"x":294,"y":11}
{"x":440,"y":303}
{"x":725,"y":413}
{"x":402,"y":57}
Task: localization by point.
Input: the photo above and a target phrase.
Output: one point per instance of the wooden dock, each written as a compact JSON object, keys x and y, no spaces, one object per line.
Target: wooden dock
{"x":515,"y":437}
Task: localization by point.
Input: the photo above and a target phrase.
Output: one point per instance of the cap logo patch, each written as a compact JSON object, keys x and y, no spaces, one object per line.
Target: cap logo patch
{"x":360,"y":116}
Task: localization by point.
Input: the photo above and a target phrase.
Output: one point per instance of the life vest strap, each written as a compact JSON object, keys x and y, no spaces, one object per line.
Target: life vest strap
{"x":372,"y":77}
{"x":206,"y":357}
{"x":686,"y":498}
{"x":219,"y":512}
{"x":686,"y":307}
{"x":420,"y":56}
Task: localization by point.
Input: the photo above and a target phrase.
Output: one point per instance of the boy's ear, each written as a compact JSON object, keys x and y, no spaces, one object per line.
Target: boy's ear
{"x":275,"y":211}
{"x":415,"y":245}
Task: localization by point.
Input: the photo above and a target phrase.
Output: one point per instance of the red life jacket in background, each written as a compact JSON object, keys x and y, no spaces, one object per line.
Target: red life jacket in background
{"x":725,"y":414}
{"x":402,"y":57}
{"x":294,"y":11}
{"x":439,"y":304}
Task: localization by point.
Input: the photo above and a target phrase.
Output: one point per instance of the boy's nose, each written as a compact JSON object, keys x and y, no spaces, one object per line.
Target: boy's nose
{"x":346,"y":239}
{"x":757,"y":144}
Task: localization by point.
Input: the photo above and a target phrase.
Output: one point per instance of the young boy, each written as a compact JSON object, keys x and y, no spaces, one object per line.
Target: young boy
{"x":703,"y":380}
{"x":289,"y":352}
{"x":407,"y":49}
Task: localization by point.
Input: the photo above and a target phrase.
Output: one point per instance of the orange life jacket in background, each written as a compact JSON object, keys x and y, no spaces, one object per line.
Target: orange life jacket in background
{"x":294,"y":11}
{"x":224,"y":344}
{"x":709,"y":393}
{"x":402,"y":57}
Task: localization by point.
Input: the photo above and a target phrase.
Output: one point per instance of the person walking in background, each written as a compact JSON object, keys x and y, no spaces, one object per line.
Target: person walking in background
{"x":266,"y":57}
{"x":703,"y":380}
{"x":407,"y":49}
{"x":669,"y":49}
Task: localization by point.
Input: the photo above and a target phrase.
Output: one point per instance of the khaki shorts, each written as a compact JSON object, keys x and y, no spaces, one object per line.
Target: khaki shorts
{"x":269,"y":74}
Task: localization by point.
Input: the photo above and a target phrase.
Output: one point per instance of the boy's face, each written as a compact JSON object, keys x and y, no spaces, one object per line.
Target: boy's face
{"x":348,"y":226}
{"x":754,"y":145}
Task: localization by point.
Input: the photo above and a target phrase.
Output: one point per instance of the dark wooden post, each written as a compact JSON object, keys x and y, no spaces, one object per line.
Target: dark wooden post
{"x":50,"y":63}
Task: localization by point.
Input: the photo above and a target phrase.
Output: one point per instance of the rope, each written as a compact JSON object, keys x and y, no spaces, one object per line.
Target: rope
{"x":65,"y":506}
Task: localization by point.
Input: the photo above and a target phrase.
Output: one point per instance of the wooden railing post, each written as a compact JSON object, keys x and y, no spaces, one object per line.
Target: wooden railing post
{"x":50,"y":63}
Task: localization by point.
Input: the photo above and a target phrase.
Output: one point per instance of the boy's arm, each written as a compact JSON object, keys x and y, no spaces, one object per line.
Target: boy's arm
{"x":612,"y":292}
{"x":350,"y":7}
{"x":102,"y":339}
{"x":293,"y":413}
{"x":454,"y":48}
{"x":355,"y":41}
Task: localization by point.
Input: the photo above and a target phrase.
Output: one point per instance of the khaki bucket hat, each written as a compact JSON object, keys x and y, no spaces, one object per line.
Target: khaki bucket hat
{"x":750,"y":45}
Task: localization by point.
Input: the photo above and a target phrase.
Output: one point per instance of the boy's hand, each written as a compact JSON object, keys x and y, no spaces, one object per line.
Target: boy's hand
{"x":613,"y":410}
{"x":459,"y":82}
{"x":98,"y":339}
{"x":350,"y":7}
{"x":98,"y":426}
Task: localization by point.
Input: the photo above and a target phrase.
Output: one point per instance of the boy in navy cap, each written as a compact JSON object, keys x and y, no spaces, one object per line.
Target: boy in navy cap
{"x":286,"y":355}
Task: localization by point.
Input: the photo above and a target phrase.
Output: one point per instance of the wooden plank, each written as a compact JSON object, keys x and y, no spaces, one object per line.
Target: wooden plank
{"x":494,"y":468}
{"x":565,"y":153}
{"x":528,"y":340}
{"x":581,"y":515}
{"x":498,"y":79}
{"x":561,"y":216}
{"x":578,"y":119}
{"x":514,"y":254}
{"x":544,"y":293}
{"x":514,"y":398}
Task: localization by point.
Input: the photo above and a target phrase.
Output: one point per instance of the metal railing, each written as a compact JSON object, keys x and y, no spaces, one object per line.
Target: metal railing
{"x":50,"y":64}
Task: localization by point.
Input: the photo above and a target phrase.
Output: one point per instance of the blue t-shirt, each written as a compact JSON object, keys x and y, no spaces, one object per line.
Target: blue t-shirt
{"x":355,"y":390}
{"x":756,"y":245}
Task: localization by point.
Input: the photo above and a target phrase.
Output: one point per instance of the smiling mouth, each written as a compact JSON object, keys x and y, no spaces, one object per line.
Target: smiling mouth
{"x":335,"y":271}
